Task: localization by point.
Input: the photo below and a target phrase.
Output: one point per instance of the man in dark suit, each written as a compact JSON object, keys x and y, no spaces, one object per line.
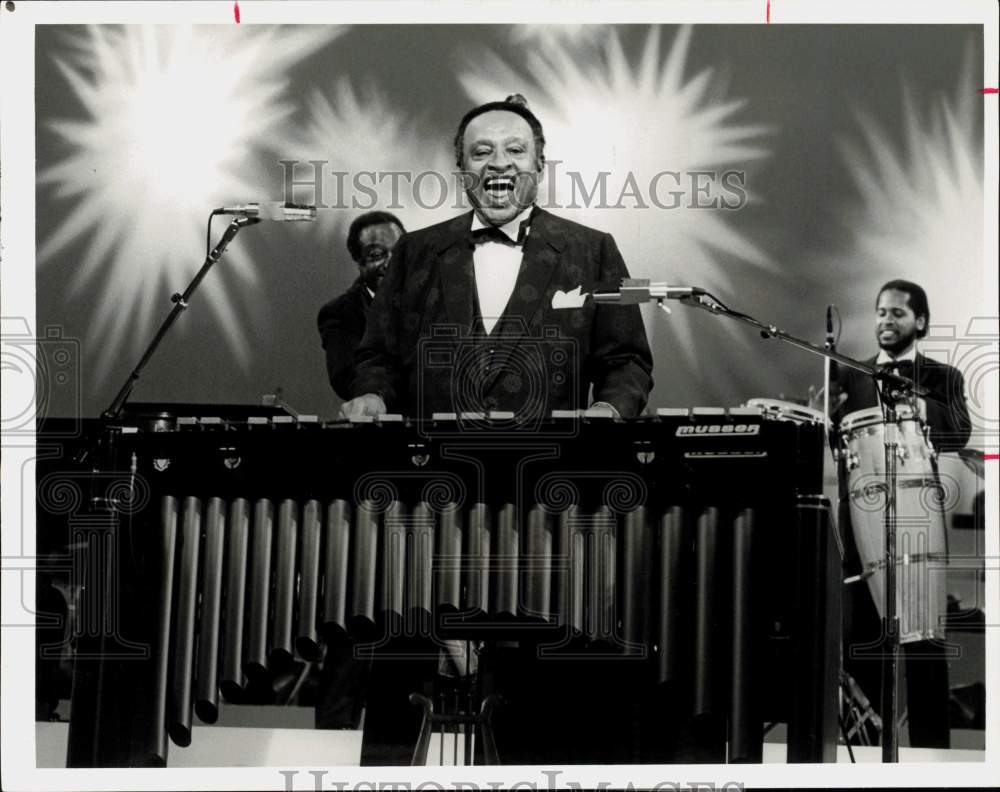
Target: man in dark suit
{"x":901,"y":318}
{"x":902,"y":315}
{"x":464,"y":320}
{"x":341,"y":322}
{"x":342,"y":684}
{"x":464,"y":323}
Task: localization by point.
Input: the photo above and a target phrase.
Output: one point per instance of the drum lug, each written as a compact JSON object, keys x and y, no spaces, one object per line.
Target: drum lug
{"x":851,"y":460}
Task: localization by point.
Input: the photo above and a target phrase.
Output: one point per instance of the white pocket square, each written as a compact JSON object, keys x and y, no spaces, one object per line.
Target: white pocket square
{"x":570,"y":299}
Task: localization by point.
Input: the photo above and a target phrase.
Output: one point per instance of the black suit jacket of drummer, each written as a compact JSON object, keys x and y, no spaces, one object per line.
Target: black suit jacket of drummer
{"x":425,"y":349}
{"x":949,"y":421}
{"x":341,"y":324}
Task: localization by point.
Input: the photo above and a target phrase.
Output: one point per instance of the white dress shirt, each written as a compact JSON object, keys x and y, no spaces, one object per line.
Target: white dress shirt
{"x":496,"y":267}
{"x":885,"y":358}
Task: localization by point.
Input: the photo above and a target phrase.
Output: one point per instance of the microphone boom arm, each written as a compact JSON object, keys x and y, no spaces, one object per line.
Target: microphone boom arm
{"x":707,"y":302}
{"x":180,"y":302}
{"x":896,"y":386}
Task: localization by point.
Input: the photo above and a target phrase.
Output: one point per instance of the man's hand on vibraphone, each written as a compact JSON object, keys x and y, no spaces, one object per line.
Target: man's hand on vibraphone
{"x":604,"y":408}
{"x":369,"y":404}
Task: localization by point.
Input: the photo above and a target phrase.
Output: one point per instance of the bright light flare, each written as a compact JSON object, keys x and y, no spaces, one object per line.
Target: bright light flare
{"x":173,"y":123}
{"x":919,"y":209}
{"x":602,"y":113}
{"x":382,"y":155}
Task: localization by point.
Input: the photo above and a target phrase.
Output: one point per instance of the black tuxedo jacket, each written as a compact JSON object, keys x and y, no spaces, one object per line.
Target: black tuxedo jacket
{"x":422,"y":353}
{"x":948,"y":420}
{"x":341,"y":325}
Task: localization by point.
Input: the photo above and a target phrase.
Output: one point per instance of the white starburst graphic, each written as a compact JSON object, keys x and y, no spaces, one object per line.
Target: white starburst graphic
{"x":632,"y":121}
{"x":919,"y":208}
{"x":387,"y":161}
{"x":173,"y":123}
{"x":548,"y":35}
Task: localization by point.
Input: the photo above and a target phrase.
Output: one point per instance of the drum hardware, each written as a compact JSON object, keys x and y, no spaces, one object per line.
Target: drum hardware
{"x":890,"y":620}
{"x":891,"y":382}
{"x":927,"y":438}
{"x":867,"y":573}
{"x":860,"y":720}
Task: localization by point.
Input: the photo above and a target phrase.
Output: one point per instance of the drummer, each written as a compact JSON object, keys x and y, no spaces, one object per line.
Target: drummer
{"x":902,"y":315}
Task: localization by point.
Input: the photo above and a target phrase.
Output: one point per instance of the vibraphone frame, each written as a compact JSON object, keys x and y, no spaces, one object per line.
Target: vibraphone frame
{"x":718,"y":565}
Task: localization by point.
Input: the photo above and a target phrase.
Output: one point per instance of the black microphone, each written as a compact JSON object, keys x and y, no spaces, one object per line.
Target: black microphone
{"x":640,"y":290}
{"x":830,"y":343}
{"x":271,"y":210}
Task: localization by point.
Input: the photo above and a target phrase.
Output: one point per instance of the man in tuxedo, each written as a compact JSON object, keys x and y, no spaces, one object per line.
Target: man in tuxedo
{"x":341,"y":685}
{"x":464,"y":321}
{"x":370,"y":240}
{"x":902,"y":315}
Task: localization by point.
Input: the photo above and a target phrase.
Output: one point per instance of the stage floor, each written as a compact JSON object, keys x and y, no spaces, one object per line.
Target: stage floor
{"x":245,"y":746}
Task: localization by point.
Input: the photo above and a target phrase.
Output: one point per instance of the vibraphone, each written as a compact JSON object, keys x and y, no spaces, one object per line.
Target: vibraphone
{"x":693,"y":540}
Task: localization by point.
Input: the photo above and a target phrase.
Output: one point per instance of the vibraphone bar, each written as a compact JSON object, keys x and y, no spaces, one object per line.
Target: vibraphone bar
{"x":691,"y":544}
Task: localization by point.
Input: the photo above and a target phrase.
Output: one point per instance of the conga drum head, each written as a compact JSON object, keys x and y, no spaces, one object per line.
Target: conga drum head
{"x":862,"y":419}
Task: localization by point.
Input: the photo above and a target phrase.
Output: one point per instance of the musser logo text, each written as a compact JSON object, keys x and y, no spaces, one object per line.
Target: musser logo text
{"x":714,"y":429}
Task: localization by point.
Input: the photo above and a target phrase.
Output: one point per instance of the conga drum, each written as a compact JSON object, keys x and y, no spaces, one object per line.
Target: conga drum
{"x":921,"y":591}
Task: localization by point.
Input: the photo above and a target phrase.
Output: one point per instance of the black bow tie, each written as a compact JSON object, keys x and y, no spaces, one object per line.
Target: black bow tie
{"x":478,"y":236}
{"x":904,"y":368}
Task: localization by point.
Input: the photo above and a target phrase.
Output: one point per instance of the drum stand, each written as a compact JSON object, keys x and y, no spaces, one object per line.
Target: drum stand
{"x":895,"y":387}
{"x":890,"y":622}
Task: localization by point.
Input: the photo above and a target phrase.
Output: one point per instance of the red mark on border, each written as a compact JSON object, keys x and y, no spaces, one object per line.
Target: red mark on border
{"x":769,"y":12}
{"x":989,"y":90}
{"x":988,"y":457}
{"x":236,"y":11}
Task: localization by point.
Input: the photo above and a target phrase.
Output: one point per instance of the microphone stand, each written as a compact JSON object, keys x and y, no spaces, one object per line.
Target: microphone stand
{"x":830,"y":347}
{"x":99,"y":444}
{"x":180,"y":302}
{"x":895,"y":387}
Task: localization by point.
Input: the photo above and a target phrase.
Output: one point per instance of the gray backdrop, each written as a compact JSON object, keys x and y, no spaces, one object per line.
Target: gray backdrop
{"x":861,"y":148}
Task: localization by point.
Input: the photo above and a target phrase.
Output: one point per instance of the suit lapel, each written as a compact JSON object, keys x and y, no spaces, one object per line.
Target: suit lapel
{"x":872,"y":384}
{"x":458,"y":280}
{"x":364,"y":298}
{"x":925,"y":371}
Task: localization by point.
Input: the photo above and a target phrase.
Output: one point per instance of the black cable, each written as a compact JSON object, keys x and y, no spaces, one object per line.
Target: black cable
{"x":208,"y":233}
